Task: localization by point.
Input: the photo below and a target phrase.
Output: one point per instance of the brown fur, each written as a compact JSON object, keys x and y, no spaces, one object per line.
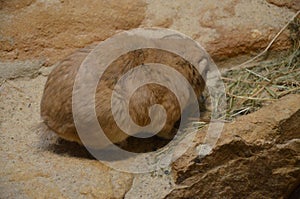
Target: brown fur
{"x":56,"y":104}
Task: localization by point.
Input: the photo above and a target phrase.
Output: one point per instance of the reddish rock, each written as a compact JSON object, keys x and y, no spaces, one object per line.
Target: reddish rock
{"x":50,"y":30}
{"x":256,"y":156}
{"x":293,"y":4}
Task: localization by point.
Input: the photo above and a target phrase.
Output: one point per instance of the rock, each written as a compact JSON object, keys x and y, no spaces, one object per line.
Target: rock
{"x":143,"y":185}
{"x":224,"y":29}
{"x":33,"y":167}
{"x":257,"y":156}
{"x":11,"y":70}
{"x":293,"y":4}
{"x":57,"y":28}
{"x":53,"y":29}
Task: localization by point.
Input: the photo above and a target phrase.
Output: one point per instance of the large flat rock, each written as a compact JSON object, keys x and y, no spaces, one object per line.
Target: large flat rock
{"x":50,"y":30}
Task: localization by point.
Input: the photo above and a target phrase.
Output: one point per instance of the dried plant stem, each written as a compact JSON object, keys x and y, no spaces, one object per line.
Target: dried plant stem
{"x":258,"y":75}
{"x":245,"y":81}
{"x":251,"y":98}
{"x":288,"y":91}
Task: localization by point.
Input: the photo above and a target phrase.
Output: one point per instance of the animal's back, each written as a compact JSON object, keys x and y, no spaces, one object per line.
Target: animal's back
{"x":56,"y":105}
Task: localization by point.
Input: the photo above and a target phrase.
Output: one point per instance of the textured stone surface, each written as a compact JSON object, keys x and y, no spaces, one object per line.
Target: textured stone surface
{"x":294,"y":4}
{"x":226,"y":28}
{"x":34,"y":165}
{"x":49,"y":30}
{"x":256,"y":156}
{"x":10,"y":70}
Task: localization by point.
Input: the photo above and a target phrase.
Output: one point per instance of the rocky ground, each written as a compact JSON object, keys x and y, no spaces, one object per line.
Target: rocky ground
{"x":257,"y":156}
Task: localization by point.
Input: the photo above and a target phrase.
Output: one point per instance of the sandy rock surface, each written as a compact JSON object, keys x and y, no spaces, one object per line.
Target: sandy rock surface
{"x":31,"y":167}
{"x":50,"y":30}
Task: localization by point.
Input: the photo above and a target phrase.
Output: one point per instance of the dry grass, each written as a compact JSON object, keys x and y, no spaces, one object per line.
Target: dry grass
{"x":250,"y":88}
